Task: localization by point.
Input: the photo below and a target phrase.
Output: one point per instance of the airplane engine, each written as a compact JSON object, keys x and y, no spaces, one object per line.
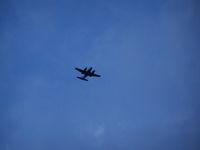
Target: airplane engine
{"x":85,"y":69}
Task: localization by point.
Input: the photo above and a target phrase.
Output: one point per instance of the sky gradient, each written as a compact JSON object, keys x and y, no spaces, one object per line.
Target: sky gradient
{"x":146,"y":51}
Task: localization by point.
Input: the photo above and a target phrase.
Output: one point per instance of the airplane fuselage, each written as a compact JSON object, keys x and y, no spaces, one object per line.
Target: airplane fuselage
{"x":87,"y":72}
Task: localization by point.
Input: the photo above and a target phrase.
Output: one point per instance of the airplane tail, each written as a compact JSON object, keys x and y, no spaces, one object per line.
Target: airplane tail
{"x":82,"y":78}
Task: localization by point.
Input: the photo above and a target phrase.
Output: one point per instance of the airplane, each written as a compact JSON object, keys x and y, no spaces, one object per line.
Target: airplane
{"x":87,"y":72}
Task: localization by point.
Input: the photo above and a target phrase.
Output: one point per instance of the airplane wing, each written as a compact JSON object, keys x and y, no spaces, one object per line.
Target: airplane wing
{"x":96,"y":75}
{"x":80,"y":70}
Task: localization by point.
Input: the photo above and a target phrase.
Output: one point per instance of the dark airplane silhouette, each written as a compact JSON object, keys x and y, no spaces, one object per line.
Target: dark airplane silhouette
{"x":87,"y":72}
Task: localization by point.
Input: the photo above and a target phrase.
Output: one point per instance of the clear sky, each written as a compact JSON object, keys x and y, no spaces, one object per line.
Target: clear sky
{"x":147,"y":52}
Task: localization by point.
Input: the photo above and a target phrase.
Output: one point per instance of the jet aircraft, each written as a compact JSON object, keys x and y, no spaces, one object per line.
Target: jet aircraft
{"x":87,"y":72}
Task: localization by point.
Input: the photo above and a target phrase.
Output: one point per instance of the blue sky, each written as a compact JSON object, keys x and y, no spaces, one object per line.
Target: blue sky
{"x":146,"y":51}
